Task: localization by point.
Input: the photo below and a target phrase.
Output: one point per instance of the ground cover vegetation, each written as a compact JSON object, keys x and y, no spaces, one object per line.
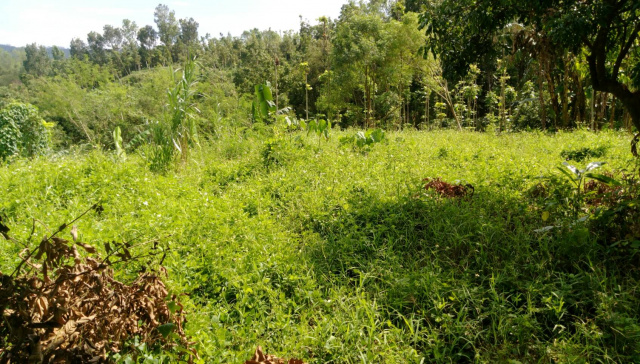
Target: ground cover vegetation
{"x":330,"y":254}
{"x":415,"y":181}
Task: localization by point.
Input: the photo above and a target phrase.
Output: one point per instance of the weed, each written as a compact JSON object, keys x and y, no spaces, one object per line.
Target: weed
{"x":584,"y":153}
{"x":177,"y":132}
{"x":329,"y":257}
{"x":362,"y":141}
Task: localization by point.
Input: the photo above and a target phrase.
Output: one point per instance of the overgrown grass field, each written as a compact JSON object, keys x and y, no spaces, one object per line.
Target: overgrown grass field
{"x":334,"y":255}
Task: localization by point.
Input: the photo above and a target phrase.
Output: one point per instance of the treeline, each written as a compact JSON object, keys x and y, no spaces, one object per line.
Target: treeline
{"x":382,"y":63}
{"x":568,"y":63}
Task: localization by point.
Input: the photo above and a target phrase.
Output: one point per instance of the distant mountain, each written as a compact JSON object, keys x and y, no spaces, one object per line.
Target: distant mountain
{"x":9,"y":48}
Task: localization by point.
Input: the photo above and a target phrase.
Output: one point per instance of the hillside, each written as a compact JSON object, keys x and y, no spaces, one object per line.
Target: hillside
{"x":10,"y":48}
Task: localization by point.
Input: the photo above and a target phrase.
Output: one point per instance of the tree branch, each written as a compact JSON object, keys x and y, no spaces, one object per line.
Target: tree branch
{"x":625,"y":50}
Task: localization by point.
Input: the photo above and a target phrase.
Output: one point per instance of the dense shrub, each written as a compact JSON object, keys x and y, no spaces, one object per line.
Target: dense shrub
{"x":22,"y":131}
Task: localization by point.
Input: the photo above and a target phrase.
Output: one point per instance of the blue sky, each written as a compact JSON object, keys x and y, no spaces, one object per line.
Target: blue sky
{"x":56,"y":22}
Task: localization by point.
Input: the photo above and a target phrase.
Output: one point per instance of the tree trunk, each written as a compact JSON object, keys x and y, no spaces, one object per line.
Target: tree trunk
{"x":580,"y":104}
{"x":554,"y":98}
{"x":276,"y":61}
{"x":627,"y":121}
{"x":426,"y":109}
{"x":565,"y":93}
{"x":366,"y":96}
{"x":604,"y":97}
{"x":607,"y":80}
{"x":543,"y":109}
{"x":593,"y":110}
{"x":612,"y":116}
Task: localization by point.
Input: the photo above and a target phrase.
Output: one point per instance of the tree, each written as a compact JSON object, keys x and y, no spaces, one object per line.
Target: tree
{"x":462,"y":32}
{"x":37,"y":62}
{"x":147,"y":36}
{"x":78,"y":48}
{"x":130,"y":45}
{"x":10,"y":67}
{"x":57,"y":54}
{"x":112,"y":37}
{"x":168,"y":28}
{"x":97,"y":53}
{"x":188,"y":31}
{"x":359,"y":45}
{"x":610,"y":34}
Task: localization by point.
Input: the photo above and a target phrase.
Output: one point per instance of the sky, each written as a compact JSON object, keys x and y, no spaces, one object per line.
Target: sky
{"x":56,"y":22}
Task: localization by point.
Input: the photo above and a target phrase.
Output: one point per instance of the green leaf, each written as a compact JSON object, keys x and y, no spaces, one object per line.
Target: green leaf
{"x":258,"y":94}
{"x":566,"y":173}
{"x":594,"y":165}
{"x":312,"y":126}
{"x":264,"y":109}
{"x":604,"y":179}
{"x":167,"y":329}
{"x":377,"y":135}
{"x":266,"y":93}
{"x":272,"y":106}
{"x":173,"y":307}
{"x":572,"y":168}
{"x":322,"y":125}
{"x":545,"y":215}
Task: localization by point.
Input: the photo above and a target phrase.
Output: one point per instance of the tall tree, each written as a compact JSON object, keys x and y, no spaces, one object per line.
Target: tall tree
{"x":358,"y":50}
{"x":37,"y":62}
{"x":57,"y":53}
{"x":96,"y":43}
{"x":130,"y":44}
{"x":168,"y":27}
{"x":188,"y":31}
{"x":112,"y":37}
{"x":78,"y":48}
{"x":147,"y":36}
{"x":462,"y":33}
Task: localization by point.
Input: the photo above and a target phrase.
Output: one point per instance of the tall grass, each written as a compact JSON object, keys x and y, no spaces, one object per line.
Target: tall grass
{"x":173,"y":136}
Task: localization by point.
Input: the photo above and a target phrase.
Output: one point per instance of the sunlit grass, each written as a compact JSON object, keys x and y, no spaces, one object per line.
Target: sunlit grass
{"x":334,"y":255}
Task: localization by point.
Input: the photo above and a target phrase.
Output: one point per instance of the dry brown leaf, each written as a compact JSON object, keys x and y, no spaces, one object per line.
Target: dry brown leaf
{"x":260,"y":358}
{"x":74,"y":233}
{"x":87,"y":247}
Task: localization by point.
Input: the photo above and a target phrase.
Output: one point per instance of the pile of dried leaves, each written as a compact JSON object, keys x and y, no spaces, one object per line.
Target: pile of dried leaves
{"x":448,"y":190}
{"x":260,"y":358}
{"x":597,"y":193}
{"x":68,"y":308}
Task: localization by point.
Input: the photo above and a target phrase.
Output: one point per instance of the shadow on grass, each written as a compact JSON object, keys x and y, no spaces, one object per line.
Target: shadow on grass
{"x":477,"y":279}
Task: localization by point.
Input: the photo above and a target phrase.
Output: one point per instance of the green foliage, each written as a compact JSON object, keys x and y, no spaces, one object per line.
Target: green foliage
{"x":526,"y":115}
{"x":364,"y":140}
{"x":319,"y":127}
{"x":117,"y":141}
{"x":263,"y":105}
{"x":580,"y":154}
{"x":344,"y":254}
{"x":22,"y":131}
{"x":602,"y":33}
{"x":293,"y":124}
{"x":181,"y":109}
{"x":10,"y":66}
{"x":177,"y":132}
{"x":578,"y":177}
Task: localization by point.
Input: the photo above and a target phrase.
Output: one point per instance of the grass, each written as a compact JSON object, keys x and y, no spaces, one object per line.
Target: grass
{"x":337,"y":256}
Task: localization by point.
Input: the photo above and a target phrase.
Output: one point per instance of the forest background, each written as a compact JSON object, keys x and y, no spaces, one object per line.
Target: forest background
{"x":373,"y":66}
